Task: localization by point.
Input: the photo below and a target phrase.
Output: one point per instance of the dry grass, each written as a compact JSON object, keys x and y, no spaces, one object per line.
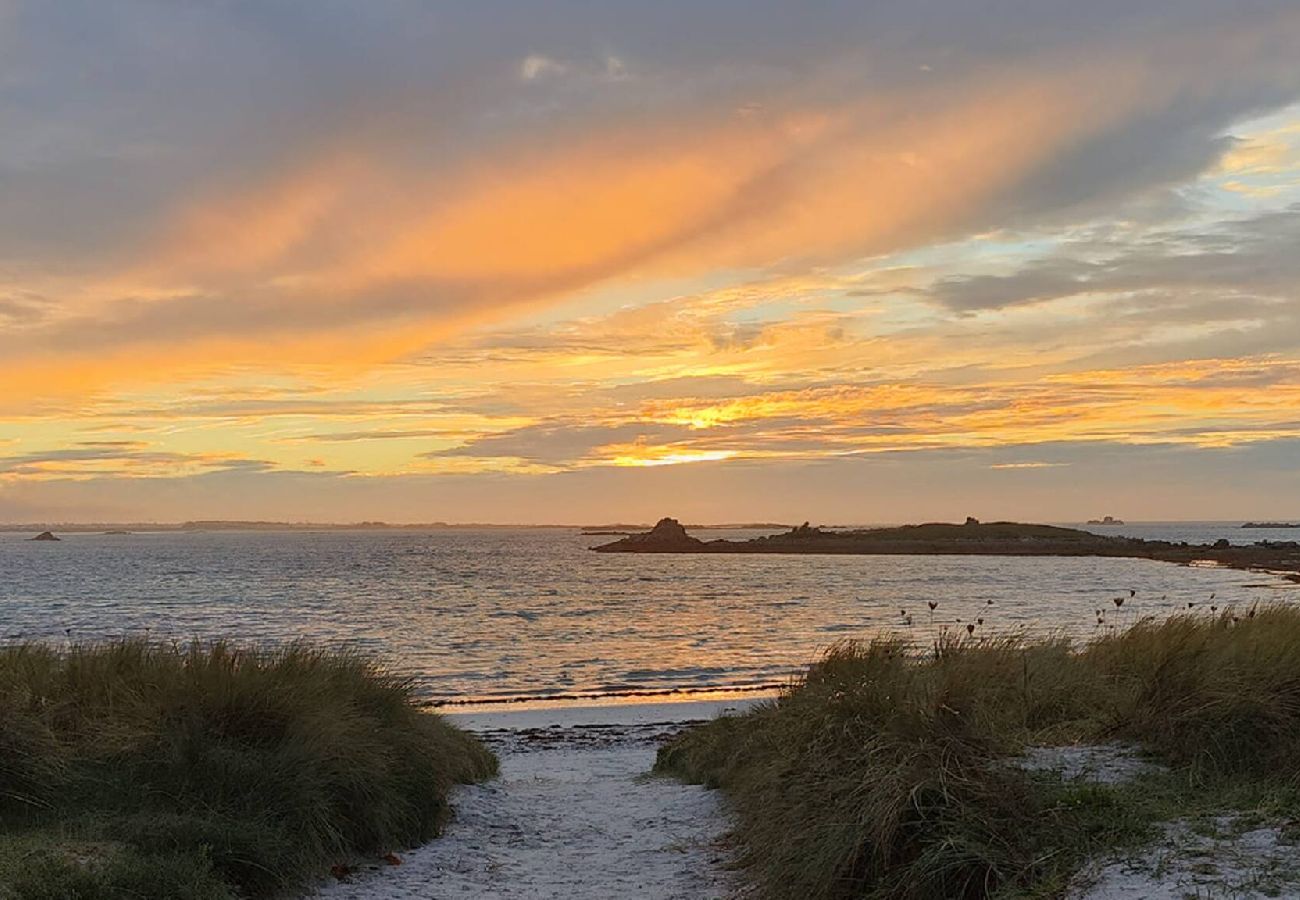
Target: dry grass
{"x":210,"y":771}
{"x":882,"y":773}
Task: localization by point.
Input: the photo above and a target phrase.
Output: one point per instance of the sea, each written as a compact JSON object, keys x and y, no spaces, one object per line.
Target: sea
{"x":501,"y":616}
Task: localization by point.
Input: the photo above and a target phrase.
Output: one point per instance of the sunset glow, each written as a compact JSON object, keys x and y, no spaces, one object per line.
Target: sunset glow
{"x":398,"y":264}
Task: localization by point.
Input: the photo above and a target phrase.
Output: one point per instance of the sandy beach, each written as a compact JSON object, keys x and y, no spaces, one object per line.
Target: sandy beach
{"x":574,"y":813}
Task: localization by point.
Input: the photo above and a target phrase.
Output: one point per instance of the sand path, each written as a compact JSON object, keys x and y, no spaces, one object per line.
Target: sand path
{"x":574,"y":814}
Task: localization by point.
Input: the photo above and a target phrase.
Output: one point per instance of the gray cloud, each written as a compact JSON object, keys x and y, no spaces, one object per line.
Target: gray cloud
{"x":23,"y":308}
{"x":1253,"y":256}
{"x":127,"y":453}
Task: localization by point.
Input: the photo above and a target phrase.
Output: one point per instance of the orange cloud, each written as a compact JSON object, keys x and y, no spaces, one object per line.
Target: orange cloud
{"x":1209,"y":403}
{"x":222,"y":234}
{"x":292,"y":270}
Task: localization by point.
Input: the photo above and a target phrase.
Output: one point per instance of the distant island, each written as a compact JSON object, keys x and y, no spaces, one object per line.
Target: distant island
{"x":972,"y":538}
{"x":1271,"y":525}
{"x":1106,"y":520}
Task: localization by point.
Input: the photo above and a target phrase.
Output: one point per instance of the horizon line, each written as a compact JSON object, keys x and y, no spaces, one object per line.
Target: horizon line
{"x":379,"y":525}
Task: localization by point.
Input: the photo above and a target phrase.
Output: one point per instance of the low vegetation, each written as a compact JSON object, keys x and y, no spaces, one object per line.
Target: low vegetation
{"x":884,"y":773}
{"x":198,"y":772}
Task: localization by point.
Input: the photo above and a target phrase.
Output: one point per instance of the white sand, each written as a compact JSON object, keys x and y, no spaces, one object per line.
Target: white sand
{"x":574,"y":814}
{"x":1227,"y":857}
{"x":1089,"y":763}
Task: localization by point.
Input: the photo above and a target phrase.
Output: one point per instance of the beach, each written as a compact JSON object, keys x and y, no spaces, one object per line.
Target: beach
{"x":575,"y":669}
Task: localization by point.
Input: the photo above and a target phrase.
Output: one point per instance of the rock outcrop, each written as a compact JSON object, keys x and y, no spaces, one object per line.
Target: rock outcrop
{"x":803,"y":532}
{"x":668,"y":536}
{"x":45,"y":536}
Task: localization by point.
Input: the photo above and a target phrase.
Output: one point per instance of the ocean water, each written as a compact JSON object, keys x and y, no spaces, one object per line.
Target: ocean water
{"x":1195,"y":532}
{"x":499,"y":615}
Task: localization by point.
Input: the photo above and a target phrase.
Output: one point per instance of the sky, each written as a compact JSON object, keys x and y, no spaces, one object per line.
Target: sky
{"x":579,"y":262}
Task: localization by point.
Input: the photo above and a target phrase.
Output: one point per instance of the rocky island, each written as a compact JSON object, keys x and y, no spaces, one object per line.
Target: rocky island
{"x":46,"y":536}
{"x":972,"y":538}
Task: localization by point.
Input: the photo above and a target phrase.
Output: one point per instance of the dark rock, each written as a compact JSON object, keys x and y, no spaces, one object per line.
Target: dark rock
{"x":668,"y":534}
{"x":804,"y":531}
{"x":665,"y":531}
{"x":971,"y":520}
{"x":45,"y":536}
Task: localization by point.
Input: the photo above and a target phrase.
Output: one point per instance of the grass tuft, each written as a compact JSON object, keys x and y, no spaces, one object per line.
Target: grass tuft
{"x":884,"y":773}
{"x":132,"y":769}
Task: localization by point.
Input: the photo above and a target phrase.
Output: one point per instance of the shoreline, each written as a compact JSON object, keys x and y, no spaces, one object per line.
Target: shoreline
{"x":599,"y":715}
{"x":668,"y":696}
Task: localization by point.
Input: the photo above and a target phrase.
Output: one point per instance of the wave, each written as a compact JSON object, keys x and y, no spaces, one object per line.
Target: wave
{"x":757,"y":687}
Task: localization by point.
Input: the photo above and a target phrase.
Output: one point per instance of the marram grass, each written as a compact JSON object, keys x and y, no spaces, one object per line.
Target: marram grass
{"x":883,"y":773}
{"x":189,"y":772}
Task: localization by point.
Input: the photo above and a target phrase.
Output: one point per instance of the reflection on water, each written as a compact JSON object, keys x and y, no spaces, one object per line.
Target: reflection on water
{"x":489,"y":614}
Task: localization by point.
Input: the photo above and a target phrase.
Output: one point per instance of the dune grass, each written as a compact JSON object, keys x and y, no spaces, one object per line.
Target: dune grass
{"x":884,"y":773}
{"x":205,"y":771}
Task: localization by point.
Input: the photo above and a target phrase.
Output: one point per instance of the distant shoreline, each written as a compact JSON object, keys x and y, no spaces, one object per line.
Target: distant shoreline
{"x":970,"y":539}
{"x":620,"y":528}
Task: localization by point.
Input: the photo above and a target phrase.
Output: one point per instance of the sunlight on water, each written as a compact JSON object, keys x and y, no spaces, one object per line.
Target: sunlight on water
{"x":496,"y":614}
